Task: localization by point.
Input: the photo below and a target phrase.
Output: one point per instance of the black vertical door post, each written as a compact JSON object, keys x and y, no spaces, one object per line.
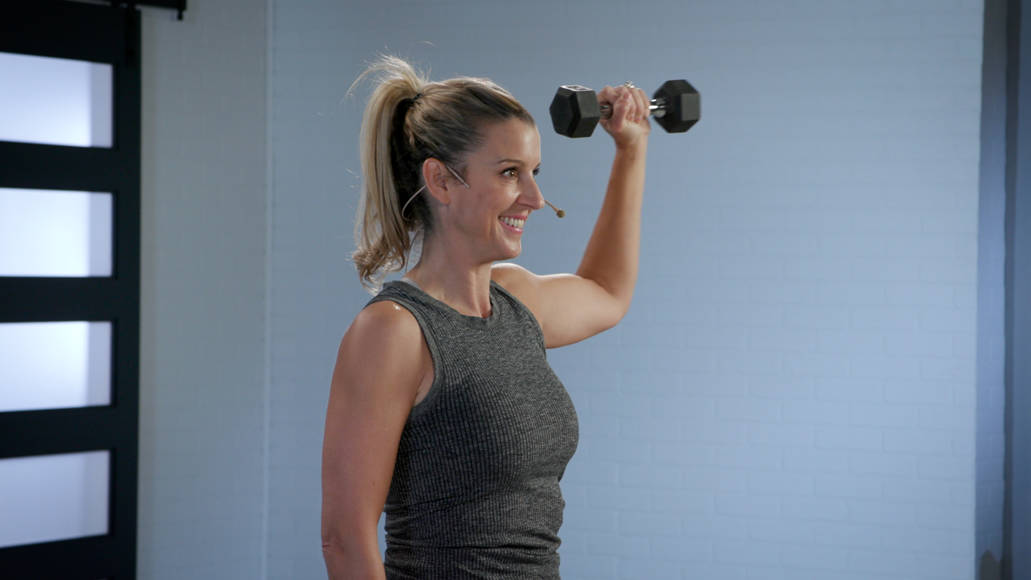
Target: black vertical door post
{"x":105,"y":34}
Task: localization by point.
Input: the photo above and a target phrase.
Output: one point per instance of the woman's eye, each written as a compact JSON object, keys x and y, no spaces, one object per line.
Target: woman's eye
{"x":514,"y":172}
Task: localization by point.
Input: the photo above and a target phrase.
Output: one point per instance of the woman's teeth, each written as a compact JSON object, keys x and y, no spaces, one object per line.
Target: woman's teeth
{"x":514,"y":222}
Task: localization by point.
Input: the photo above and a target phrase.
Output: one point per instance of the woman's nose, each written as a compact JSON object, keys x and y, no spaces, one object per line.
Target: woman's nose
{"x":535,"y":198}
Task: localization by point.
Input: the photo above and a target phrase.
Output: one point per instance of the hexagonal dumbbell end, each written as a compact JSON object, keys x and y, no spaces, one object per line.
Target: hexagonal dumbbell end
{"x":683,"y":106}
{"x":575,"y":111}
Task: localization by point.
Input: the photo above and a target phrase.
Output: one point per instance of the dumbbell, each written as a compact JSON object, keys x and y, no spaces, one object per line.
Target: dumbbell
{"x":575,"y":110}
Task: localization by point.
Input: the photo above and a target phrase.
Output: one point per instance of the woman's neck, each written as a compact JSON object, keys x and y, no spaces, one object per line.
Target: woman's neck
{"x":453,"y":278}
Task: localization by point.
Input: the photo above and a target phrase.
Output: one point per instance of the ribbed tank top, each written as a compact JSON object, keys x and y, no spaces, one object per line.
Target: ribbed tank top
{"x":475,"y":491}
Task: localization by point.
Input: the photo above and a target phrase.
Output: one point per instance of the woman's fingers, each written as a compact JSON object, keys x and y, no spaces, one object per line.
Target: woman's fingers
{"x":630,"y":111}
{"x":619,"y":98}
{"x":643,"y":103}
{"x":609,"y":96}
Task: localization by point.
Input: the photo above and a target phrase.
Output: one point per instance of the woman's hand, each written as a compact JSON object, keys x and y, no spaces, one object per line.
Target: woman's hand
{"x":629,"y":124}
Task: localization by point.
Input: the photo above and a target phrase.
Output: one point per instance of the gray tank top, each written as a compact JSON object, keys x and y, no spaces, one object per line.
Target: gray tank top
{"x":475,"y":491}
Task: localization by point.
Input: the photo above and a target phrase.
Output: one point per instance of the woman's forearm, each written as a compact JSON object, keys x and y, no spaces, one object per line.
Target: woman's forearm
{"x":611,"y":257}
{"x":350,"y":562}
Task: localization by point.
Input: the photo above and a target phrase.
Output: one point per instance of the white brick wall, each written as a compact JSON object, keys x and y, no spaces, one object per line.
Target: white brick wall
{"x":792,"y":393}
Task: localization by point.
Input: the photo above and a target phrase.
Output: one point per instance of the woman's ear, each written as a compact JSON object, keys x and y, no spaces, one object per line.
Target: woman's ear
{"x":435,"y":176}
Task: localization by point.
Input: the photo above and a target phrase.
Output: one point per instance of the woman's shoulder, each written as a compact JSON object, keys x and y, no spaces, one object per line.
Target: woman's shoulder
{"x":518,"y":284}
{"x":390,"y":291}
{"x":514,"y":279}
{"x":379,"y":363}
{"x":382,"y":329}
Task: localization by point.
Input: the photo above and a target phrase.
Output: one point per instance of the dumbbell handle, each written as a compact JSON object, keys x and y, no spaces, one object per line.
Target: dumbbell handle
{"x":657,"y":108}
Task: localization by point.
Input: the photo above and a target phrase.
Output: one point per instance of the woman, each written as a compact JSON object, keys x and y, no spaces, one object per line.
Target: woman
{"x":443,"y":411}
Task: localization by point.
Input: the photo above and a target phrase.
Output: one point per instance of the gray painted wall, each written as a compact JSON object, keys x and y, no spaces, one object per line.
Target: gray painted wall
{"x":202,"y":480}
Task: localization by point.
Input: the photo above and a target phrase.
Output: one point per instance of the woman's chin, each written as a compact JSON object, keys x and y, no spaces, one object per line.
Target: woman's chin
{"x":510,"y":253}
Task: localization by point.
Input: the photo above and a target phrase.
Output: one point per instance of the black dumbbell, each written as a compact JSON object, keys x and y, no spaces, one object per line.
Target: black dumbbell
{"x":575,"y":110}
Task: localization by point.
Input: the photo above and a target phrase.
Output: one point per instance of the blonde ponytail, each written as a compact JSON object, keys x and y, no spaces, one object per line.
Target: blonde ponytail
{"x":381,"y":235}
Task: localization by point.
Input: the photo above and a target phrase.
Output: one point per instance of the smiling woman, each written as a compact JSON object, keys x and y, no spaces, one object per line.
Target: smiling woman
{"x":443,"y":410}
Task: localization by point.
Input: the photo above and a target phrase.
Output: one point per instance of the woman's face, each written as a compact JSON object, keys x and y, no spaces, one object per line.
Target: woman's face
{"x":502,"y":190}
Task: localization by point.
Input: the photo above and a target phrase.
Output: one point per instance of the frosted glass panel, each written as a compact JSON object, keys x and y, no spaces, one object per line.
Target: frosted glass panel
{"x":55,"y":233}
{"x":54,"y":365}
{"x":53,"y":497}
{"x":55,"y":100}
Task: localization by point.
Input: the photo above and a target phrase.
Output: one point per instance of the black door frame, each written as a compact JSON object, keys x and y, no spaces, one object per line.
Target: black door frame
{"x":104,"y":34}
{"x":1016,"y":562}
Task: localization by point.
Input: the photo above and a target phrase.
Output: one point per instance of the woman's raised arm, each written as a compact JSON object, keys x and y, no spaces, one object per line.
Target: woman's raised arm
{"x":572,"y":307}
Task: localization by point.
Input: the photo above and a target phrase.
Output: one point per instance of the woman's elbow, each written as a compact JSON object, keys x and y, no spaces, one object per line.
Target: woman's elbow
{"x":349,"y":556}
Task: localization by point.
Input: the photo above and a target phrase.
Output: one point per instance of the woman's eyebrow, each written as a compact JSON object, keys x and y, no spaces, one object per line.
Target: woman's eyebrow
{"x":512,"y":160}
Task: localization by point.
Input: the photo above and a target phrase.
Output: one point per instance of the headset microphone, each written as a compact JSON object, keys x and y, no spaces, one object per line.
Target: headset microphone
{"x":560,"y":213}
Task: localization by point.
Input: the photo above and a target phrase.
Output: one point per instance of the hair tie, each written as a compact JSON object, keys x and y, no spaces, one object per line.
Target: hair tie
{"x":403,"y":106}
